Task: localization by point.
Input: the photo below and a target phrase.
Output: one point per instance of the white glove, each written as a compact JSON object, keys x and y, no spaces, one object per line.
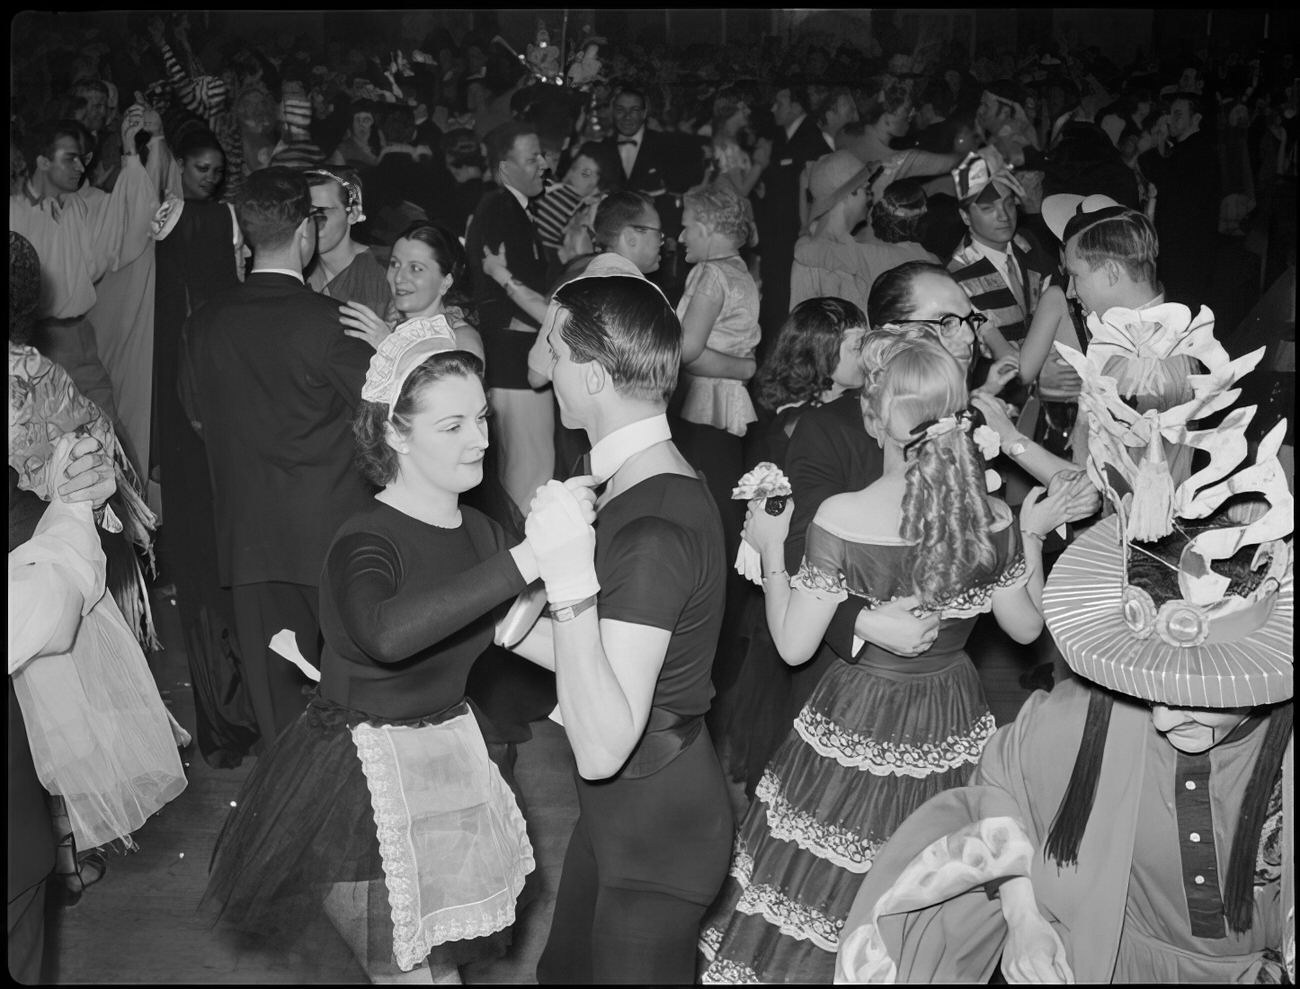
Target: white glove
{"x":563,"y":542}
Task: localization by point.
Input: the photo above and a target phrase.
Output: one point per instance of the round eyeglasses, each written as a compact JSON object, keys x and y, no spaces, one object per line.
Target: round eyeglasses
{"x":951,"y":324}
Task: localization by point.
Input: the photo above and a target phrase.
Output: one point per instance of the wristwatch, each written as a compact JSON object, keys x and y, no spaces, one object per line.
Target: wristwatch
{"x":571,"y":611}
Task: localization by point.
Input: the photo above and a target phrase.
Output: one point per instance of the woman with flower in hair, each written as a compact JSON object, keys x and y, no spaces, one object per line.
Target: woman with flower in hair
{"x":380,"y":809}
{"x":877,"y":738}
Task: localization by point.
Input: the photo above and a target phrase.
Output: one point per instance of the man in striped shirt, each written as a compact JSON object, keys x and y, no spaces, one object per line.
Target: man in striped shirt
{"x":1000,"y":271}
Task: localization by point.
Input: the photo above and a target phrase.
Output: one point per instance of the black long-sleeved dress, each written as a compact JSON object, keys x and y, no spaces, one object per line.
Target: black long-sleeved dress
{"x":406,"y":609}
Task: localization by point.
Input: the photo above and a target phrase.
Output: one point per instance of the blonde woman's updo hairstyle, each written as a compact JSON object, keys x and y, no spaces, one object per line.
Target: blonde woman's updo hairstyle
{"x":725,"y":210}
{"x":375,"y":459}
{"x":945,"y":514}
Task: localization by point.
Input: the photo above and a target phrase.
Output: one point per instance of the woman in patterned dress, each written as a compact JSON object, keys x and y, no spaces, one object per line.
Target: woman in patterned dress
{"x":879,"y":737}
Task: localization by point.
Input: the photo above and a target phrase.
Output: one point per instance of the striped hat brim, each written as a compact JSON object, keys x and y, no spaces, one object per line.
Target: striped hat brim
{"x":1082,"y":606}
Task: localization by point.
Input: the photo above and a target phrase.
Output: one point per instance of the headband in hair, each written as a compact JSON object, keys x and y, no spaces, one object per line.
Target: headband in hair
{"x":351,"y":189}
{"x":901,"y":212}
{"x":405,"y":349}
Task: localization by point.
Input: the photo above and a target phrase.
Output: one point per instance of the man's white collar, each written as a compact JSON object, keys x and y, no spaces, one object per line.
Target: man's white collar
{"x":623,"y":444}
{"x":280,"y":271}
{"x":520,"y":198}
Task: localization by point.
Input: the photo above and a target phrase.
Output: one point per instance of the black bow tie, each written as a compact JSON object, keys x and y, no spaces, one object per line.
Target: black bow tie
{"x":627,"y":140}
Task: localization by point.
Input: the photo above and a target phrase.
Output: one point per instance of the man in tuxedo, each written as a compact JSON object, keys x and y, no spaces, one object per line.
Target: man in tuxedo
{"x":271,"y":382}
{"x":798,"y":141}
{"x":524,"y":417}
{"x":661,"y":167}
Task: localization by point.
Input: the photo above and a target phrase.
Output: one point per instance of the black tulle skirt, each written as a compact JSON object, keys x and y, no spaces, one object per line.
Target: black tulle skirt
{"x":303,"y":823}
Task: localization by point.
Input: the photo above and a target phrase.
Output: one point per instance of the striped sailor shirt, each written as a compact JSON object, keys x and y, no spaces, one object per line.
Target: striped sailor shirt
{"x":988,"y":289}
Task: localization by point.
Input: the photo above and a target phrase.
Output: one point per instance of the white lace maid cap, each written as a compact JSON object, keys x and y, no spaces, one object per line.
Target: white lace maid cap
{"x":405,"y":349}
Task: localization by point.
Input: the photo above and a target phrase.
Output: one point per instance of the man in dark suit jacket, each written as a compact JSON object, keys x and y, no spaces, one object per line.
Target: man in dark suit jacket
{"x":524,"y":417}
{"x":798,"y":141}
{"x":1186,"y":176}
{"x":661,"y":167}
{"x":272,"y":382}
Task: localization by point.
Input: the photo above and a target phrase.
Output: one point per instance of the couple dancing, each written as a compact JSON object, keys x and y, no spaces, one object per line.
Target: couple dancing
{"x":415,"y":587}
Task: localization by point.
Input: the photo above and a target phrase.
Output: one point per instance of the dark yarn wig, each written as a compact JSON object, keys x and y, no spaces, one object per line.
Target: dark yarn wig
{"x":1071,"y":818}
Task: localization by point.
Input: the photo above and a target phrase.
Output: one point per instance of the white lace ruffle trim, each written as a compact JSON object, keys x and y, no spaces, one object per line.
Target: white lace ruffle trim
{"x":791,"y":918}
{"x":846,"y":849}
{"x":856,"y":751}
{"x":725,"y":973}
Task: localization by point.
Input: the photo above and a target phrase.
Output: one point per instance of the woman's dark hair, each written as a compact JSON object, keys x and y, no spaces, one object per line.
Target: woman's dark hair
{"x":611,"y":169}
{"x":365,"y":106}
{"x":375,"y":459}
{"x":900,"y":212}
{"x":196,"y":141}
{"x":891,"y":295}
{"x":24,"y":288}
{"x":450,"y":259}
{"x":806,"y":353}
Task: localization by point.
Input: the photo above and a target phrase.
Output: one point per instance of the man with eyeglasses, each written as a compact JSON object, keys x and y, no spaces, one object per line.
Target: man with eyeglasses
{"x":81,"y":238}
{"x":272,"y":382}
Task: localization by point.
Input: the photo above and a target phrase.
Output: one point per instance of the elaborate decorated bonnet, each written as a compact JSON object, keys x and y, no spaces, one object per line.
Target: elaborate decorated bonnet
{"x":1184,"y":595}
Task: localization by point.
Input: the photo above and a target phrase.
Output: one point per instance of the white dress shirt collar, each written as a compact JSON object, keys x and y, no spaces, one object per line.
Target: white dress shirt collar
{"x":520,"y":198}
{"x":279,"y":271}
{"x":623,"y":444}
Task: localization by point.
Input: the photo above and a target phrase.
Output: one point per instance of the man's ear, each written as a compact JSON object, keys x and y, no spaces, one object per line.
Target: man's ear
{"x":965,"y":217}
{"x":595,"y":378}
{"x":1112,"y":271}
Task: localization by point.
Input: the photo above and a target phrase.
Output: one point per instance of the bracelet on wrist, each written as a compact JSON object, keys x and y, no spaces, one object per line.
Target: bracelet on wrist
{"x":773,"y":573}
{"x":1026,"y":534}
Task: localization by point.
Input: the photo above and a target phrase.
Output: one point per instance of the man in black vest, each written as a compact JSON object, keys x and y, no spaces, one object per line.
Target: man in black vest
{"x":272,"y":382}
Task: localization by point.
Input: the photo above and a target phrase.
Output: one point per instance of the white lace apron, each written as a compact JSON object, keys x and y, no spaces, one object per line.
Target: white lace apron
{"x":452,"y":840}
